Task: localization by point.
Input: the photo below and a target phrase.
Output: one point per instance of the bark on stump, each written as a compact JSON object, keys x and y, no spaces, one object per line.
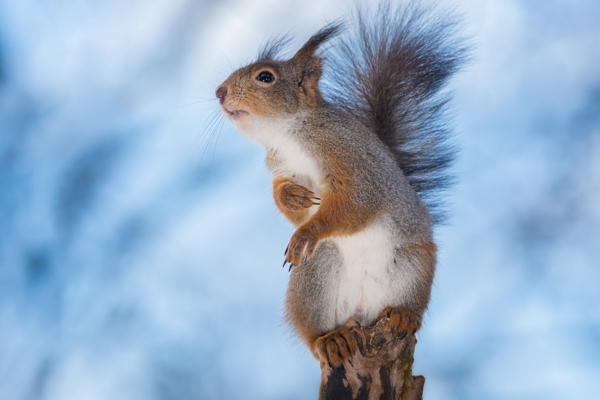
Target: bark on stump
{"x":384,"y":372}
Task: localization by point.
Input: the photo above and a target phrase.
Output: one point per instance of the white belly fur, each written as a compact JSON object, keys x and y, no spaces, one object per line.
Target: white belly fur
{"x":295,"y":163}
{"x":368,"y":282}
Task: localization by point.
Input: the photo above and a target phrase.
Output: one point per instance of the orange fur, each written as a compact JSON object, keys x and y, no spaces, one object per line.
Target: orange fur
{"x":425,"y":251}
{"x":339,"y":344}
{"x":293,"y":200}
{"x":403,"y":321}
{"x":338,"y":215}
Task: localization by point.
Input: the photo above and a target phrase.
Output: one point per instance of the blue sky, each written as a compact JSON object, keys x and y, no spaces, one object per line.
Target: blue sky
{"x":140,"y":251}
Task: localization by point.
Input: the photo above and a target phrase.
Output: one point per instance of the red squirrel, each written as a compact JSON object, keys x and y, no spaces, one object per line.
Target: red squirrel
{"x":355,"y":170}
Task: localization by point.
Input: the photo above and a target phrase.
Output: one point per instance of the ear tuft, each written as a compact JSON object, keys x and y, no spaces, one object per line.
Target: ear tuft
{"x":326,"y":33}
{"x":273,"y":47}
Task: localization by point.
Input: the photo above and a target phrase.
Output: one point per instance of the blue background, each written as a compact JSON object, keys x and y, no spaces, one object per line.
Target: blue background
{"x":140,"y":250}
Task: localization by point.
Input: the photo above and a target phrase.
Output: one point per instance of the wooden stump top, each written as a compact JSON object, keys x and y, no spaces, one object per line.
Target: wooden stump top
{"x":383,"y":372}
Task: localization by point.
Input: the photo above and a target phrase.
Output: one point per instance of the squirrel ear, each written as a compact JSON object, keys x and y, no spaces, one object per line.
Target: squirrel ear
{"x":305,"y":55}
{"x":312,"y":68}
{"x":308,"y":86}
{"x":309,"y":64}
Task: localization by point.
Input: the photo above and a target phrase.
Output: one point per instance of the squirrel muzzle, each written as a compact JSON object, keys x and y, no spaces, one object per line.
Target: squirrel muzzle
{"x":233,"y":110}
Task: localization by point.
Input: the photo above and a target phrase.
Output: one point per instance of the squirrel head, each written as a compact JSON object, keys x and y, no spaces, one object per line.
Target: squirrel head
{"x":270,"y":89}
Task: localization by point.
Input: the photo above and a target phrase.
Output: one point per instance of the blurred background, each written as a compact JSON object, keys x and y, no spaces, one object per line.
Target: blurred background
{"x":140,"y":250}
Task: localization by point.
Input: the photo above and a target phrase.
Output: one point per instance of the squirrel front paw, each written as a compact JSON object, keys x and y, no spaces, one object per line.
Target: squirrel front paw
{"x":402,"y":320}
{"x":301,"y":246}
{"x":294,"y":197}
{"x":341,"y":344}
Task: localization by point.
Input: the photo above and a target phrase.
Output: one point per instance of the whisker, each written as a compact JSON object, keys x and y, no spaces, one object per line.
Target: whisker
{"x":205,"y":90}
{"x":203,"y":98}
{"x":211,"y":131}
{"x":219,"y":129}
{"x":204,"y":131}
{"x":215,"y":71}
{"x":230,"y":66}
{"x":195,"y":102}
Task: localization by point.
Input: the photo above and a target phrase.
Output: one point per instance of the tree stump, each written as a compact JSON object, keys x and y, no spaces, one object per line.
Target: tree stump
{"x":383,"y":372}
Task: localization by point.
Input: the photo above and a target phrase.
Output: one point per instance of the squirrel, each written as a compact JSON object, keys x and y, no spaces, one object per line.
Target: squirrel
{"x":357,"y":166}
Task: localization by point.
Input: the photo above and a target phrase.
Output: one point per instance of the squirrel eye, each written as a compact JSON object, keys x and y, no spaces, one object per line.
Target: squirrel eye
{"x":265,"y":76}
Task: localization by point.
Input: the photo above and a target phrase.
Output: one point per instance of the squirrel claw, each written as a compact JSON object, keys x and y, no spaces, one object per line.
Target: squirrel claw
{"x":403,"y":321}
{"x":341,"y":344}
{"x":301,"y":246}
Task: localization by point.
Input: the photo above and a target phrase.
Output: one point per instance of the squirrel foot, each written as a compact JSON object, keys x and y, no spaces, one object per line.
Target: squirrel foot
{"x":341,"y":344}
{"x":403,"y":321}
{"x":294,"y":197}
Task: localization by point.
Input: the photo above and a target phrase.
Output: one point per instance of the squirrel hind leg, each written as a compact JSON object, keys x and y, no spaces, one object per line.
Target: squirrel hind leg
{"x":310,"y":304}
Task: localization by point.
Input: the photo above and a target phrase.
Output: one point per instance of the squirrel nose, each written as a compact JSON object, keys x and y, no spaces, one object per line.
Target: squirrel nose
{"x":221,"y":92}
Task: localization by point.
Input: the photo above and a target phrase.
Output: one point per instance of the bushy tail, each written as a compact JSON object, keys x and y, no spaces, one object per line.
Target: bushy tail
{"x":390,"y":74}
